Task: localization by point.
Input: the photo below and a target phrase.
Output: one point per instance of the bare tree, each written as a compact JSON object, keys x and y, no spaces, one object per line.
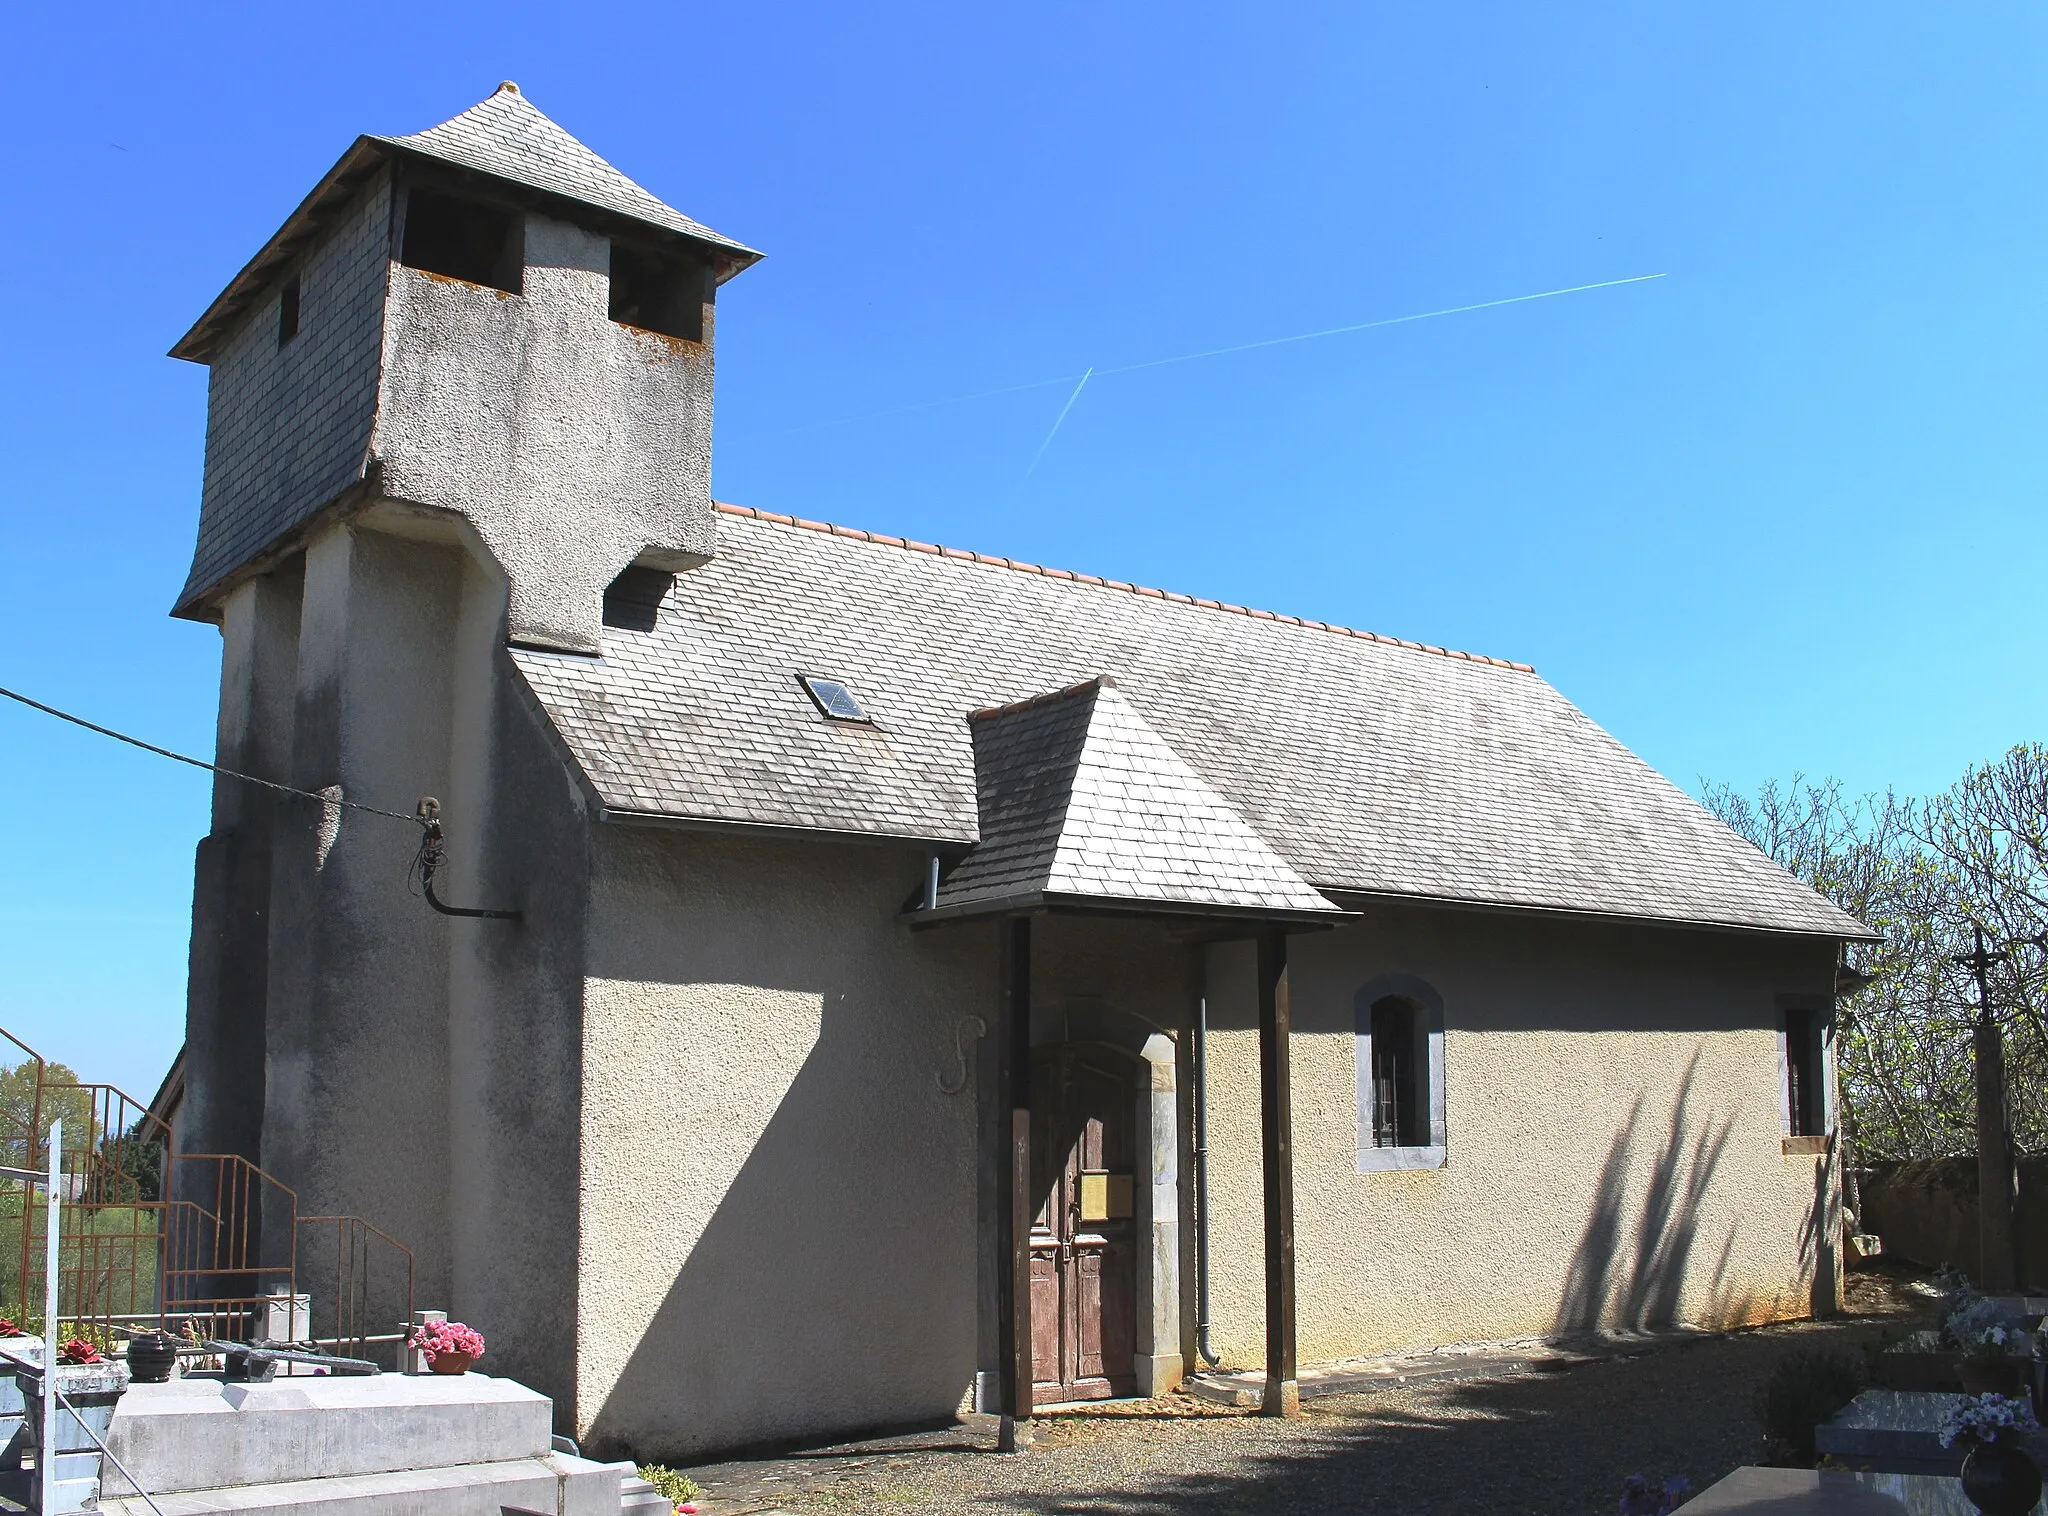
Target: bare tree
{"x":1927,"y":874}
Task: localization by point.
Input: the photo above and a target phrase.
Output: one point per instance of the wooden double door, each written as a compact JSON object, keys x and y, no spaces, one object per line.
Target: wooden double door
{"x":1084,"y":1149}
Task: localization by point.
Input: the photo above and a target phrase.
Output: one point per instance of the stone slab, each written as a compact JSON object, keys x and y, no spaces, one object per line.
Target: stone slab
{"x":1808,"y":1492}
{"x":553,"y":1485}
{"x":1899,"y":1431}
{"x":2022,"y":1305}
{"x":202,"y":1433}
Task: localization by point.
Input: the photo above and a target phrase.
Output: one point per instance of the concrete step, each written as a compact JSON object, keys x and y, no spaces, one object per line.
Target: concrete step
{"x":200,"y":1433}
{"x":551,"y":1485}
{"x":639,"y":1498}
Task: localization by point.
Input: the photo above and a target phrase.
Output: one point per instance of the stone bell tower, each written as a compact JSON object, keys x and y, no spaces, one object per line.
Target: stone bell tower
{"x":484,"y":320}
{"x":464,"y":387}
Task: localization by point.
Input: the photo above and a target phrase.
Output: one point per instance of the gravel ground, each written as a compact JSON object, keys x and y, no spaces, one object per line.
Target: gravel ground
{"x":1546,"y":1443}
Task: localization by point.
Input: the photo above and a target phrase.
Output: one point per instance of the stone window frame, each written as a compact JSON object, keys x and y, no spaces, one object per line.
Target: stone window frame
{"x":1822,"y":1009}
{"x":1429,"y":1006}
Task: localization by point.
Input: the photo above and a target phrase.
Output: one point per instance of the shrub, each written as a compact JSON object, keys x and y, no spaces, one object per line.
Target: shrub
{"x":676,"y":1488}
{"x":1803,"y":1391}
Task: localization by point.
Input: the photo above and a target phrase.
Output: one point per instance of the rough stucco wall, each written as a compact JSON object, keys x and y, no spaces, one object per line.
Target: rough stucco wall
{"x":287,"y":427}
{"x":356,"y":1098}
{"x":417,"y":1071}
{"x":1613,"y":1129}
{"x":779,"y":1203}
{"x":519,"y":839}
{"x":1104,"y":963}
{"x":573,"y":444}
{"x":229,"y":962}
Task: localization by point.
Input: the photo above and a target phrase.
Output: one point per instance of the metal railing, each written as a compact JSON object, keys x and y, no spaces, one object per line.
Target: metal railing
{"x":204,"y":1245}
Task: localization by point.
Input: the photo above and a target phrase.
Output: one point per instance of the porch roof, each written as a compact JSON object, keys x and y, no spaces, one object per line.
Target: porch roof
{"x":1080,"y":800}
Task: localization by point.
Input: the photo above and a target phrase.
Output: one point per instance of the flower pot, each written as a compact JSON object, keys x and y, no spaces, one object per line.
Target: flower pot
{"x":151,"y":1357}
{"x":30,"y":1348}
{"x":93,"y":1389}
{"x":451,"y":1363}
{"x":1994,"y":1376}
{"x":12,"y":1407}
{"x":2001,"y":1480}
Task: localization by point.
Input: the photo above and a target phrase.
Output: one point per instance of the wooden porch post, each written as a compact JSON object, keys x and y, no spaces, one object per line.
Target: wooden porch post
{"x":1013,"y":1198}
{"x":1283,"y":1392}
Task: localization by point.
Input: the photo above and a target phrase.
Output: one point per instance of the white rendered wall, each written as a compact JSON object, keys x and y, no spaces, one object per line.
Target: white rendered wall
{"x":779,"y":1200}
{"x":420,"y":1071}
{"x":1614,"y":1140}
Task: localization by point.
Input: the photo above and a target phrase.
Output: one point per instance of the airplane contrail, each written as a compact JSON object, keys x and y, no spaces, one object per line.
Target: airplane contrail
{"x":1056,"y":424}
{"x":1214,"y":352}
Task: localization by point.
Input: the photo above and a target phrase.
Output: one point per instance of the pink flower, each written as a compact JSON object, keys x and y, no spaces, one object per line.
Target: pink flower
{"x":433,"y":1338}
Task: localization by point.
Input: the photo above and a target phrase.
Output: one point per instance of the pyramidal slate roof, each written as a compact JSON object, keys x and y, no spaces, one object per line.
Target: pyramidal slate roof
{"x":1369,"y":766}
{"x":505,"y":136}
{"x":1078,"y":798}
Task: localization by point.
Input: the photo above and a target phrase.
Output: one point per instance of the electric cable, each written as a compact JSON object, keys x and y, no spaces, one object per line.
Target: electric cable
{"x":427,"y":817}
{"x":211,"y":768}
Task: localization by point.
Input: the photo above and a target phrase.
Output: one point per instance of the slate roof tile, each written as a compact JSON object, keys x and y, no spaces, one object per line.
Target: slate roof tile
{"x":1077,"y":795}
{"x":1366,"y":764}
{"x":507,"y":135}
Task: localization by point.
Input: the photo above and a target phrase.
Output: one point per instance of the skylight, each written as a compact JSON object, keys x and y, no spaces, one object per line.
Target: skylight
{"x":833,"y":698}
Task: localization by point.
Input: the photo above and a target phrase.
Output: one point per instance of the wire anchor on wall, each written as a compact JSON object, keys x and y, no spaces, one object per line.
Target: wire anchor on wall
{"x":955,"y":1086}
{"x":432,"y":845}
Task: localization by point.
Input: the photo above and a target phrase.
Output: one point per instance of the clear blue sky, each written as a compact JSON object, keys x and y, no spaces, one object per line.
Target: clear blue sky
{"x":1779,"y":511}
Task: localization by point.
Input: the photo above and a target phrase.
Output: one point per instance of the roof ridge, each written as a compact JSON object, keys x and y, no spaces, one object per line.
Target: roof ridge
{"x":749,"y":513}
{"x":1050,"y":697}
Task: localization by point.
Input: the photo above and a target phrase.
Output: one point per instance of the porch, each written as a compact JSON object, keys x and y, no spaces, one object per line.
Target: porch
{"x":1087,"y":815}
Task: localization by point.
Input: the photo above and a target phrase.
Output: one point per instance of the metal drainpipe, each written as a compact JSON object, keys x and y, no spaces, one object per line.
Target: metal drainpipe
{"x":1201,"y":1124}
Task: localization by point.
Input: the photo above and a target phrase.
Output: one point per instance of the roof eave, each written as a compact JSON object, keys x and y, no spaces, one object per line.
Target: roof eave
{"x":1121,"y":905}
{"x":364,"y":156}
{"x":1346,"y":893}
{"x":624,"y":816}
{"x":735,"y":257}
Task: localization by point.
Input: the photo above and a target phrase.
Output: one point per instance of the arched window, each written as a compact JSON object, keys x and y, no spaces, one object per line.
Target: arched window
{"x":1400,"y":1095}
{"x":1805,"y":1099}
{"x":1400,"y":1027}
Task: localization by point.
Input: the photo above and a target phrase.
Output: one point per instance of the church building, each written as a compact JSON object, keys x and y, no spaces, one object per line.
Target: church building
{"x":865,"y":977}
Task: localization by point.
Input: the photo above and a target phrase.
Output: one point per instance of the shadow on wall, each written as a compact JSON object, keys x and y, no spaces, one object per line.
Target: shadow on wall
{"x":1634,"y":1276}
{"x":832,"y":1287}
{"x":831,"y":1291}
